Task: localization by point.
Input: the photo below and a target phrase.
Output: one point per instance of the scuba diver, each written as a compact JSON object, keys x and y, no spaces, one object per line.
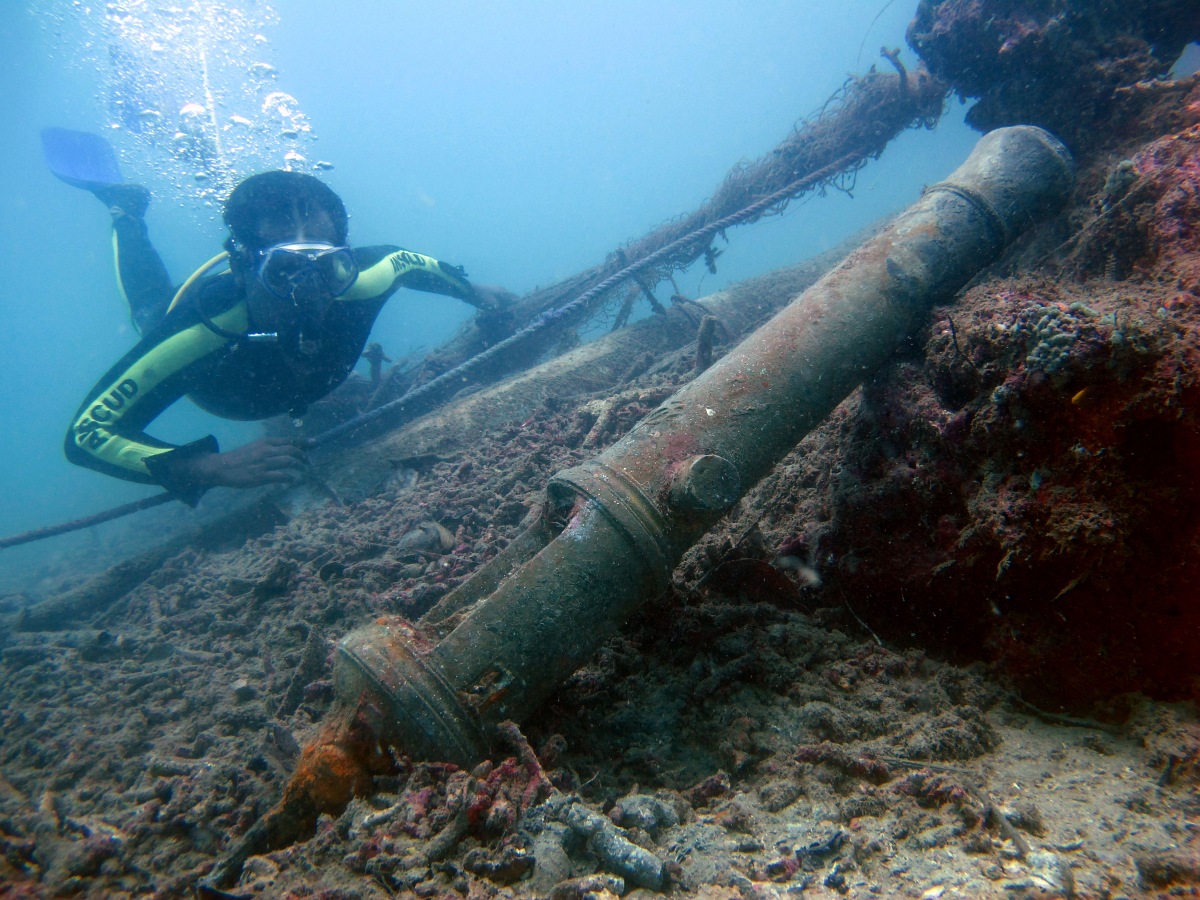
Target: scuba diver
{"x":280,"y":329}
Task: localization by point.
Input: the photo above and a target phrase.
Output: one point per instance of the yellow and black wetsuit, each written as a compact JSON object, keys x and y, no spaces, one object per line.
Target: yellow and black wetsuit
{"x":229,"y":376}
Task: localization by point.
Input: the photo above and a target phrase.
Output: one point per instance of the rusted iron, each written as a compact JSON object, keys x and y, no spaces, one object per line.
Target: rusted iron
{"x":631,"y":512}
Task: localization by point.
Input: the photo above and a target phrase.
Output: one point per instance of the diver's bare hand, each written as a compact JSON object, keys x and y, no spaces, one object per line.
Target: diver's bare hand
{"x":490,"y":298}
{"x":271,"y":460}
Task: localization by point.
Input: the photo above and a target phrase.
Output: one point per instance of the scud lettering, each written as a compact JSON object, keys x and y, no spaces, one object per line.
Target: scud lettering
{"x":90,"y":430}
{"x":90,"y":434}
{"x":114,"y":400}
{"x":404,"y":259}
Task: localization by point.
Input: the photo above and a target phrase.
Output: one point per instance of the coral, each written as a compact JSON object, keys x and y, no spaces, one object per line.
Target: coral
{"x":1015,"y":490}
{"x":1067,"y":66}
{"x":862,"y":766}
{"x":508,"y":790}
{"x":712,"y":787}
{"x":616,"y":853}
{"x":1144,"y":224}
{"x":932,"y":788}
{"x":1051,"y":332}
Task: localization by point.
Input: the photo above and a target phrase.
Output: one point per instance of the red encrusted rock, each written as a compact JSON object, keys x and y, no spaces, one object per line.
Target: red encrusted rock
{"x":859,"y":764}
{"x":1064,"y":65}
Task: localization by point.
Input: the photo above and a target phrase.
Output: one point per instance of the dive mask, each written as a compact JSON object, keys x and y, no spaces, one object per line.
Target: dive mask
{"x":284,"y":267}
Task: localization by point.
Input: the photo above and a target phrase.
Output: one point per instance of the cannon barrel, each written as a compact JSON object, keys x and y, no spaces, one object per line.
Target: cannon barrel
{"x":632,"y":512}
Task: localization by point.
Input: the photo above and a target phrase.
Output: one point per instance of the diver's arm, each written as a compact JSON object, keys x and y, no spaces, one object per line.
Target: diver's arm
{"x":382,"y":270}
{"x":107,"y":432}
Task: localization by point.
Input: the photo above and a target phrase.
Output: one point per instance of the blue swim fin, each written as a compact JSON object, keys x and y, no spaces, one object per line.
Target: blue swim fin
{"x":81,"y":159}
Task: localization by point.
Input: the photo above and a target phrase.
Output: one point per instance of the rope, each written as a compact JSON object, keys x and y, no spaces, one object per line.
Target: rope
{"x":549,"y":319}
{"x":562,"y":313}
{"x":115,"y":513}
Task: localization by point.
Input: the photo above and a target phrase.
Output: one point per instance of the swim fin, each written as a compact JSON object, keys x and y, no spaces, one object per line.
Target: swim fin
{"x":81,"y":159}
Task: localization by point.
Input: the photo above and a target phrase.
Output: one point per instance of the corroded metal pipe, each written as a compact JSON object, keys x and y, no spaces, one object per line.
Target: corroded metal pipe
{"x":632,"y":512}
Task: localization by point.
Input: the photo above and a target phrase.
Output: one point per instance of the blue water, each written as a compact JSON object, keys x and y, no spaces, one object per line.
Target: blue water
{"x":522,"y":140}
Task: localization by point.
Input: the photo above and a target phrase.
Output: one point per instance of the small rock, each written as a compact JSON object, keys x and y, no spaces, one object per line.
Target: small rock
{"x":780,"y":794}
{"x":259,"y":875}
{"x":644,"y":811}
{"x":993,"y":872}
{"x":551,"y":863}
{"x":505,"y":866}
{"x":1028,"y":818}
{"x":588,"y":885}
{"x":244,"y":691}
{"x":1163,"y":868}
{"x":1053,"y":871}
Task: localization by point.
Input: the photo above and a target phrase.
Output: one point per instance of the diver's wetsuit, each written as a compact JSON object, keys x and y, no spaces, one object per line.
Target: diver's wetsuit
{"x":230,"y":376}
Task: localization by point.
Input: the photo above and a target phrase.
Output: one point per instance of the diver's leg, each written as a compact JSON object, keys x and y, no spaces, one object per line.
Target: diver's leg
{"x":141,"y":275}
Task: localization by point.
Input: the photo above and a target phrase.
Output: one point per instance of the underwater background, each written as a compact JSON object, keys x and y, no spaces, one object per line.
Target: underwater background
{"x":946,"y":647}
